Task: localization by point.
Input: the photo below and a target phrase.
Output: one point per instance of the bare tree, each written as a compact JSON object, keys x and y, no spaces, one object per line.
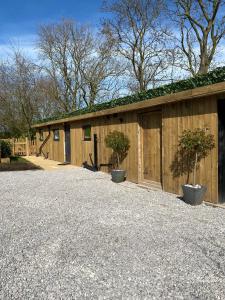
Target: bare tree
{"x":100,"y":74}
{"x":45,"y":98}
{"x":202,"y":27}
{"x":139,"y":38}
{"x":16,"y":84}
{"x":22,"y":95}
{"x":76,"y":63}
{"x":58,"y":61}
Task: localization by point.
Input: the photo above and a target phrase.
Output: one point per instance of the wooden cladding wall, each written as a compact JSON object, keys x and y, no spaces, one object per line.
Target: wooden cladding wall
{"x":57,"y":152}
{"x":83,"y":151}
{"x":176,"y":117}
{"x":46,"y":148}
{"x":54,"y":149}
{"x":199,"y":113}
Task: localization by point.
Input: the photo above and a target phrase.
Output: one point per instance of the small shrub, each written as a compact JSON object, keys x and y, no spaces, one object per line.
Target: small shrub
{"x":5,"y":150}
{"x":120,"y":145}
{"x":194,"y":146}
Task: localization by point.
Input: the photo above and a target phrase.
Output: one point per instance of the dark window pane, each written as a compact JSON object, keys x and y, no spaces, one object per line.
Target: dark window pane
{"x":87,"y":133}
{"x":56,"y":134}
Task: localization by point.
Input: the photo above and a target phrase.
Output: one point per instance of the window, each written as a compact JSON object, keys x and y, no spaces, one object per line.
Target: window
{"x":56,"y":134}
{"x":41,"y":135}
{"x":87,"y":132}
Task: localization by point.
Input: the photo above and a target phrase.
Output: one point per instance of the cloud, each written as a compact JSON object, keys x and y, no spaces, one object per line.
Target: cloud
{"x":25,"y":43}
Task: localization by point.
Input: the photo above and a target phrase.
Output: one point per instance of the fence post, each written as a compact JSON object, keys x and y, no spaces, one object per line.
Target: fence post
{"x":12,"y":141}
{"x":27,"y":147}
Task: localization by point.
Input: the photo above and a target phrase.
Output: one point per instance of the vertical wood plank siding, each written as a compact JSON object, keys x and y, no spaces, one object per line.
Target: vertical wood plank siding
{"x":55,"y":149}
{"x":82,"y":151}
{"x":176,"y":117}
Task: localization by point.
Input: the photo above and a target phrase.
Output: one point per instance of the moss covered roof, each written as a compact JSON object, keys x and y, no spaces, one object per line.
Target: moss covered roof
{"x":215,"y":76}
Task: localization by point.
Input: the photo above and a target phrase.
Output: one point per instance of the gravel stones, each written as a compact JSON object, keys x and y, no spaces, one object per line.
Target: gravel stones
{"x":74,"y":234}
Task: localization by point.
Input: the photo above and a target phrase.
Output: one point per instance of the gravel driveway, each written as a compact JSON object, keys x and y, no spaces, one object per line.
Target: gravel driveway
{"x":73,"y":234}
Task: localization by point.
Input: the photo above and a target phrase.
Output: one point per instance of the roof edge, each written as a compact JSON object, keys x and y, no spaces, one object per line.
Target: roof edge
{"x":204,"y":91}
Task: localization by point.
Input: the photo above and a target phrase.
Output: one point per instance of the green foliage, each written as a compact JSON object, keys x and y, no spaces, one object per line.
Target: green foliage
{"x":197,"y":141}
{"x":120,"y":145}
{"x":5,"y":149}
{"x":195,"y":145}
{"x":218,"y":75}
{"x":5,"y":135}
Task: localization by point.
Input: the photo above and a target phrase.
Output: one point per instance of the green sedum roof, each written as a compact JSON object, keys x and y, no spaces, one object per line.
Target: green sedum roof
{"x":215,"y":76}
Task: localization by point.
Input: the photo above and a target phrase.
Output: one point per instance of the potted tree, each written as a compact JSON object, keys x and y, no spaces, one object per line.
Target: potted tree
{"x":194,"y":146}
{"x":120,"y":145}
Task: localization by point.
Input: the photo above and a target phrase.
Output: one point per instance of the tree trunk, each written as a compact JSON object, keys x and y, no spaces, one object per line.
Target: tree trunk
{"x":118,"y":160}
{"x":203,"y":69}
{"x":204,"y":63}
{"x":195,"y":168}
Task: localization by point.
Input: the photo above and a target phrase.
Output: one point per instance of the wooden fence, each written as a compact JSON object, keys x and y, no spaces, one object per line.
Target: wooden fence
{"x":23,"y":146}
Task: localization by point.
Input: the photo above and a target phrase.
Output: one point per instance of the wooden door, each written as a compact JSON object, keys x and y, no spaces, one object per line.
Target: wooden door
{"x":151,"y":146}
{"x":67,"y":143}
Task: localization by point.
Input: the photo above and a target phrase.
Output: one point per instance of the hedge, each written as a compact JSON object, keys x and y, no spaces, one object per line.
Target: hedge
{"x":215,"y":76}
{"x":5,"y":149}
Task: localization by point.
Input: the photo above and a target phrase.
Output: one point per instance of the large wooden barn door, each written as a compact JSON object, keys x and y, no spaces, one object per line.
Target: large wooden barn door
{"x":151,"y":147}
{"x":67,"y":143}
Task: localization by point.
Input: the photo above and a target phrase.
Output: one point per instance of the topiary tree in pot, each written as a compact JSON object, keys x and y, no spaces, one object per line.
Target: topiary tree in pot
{"x":194,"y":146}
{"x":120,"y":145}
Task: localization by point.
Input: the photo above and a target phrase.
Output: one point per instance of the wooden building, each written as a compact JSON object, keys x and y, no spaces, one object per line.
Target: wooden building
{"x":153,"y":127}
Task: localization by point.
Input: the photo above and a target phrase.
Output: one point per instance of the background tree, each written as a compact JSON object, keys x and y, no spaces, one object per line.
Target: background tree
{"x":78,"y":64}
{"x":59,"y":60}
{"x":100,"y":74}
{"x":202,"y":27}
{"x":134,"y":29}
{"x":79,"y":67}
{"x":24,"y":95}
{"x":16,"y":85}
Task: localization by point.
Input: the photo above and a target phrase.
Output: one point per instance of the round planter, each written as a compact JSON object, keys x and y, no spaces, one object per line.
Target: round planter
{"x":192,"y":195}
{"x":118,"y":175}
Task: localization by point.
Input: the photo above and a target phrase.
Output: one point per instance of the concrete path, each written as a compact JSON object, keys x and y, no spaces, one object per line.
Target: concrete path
{"x":73,"y":234}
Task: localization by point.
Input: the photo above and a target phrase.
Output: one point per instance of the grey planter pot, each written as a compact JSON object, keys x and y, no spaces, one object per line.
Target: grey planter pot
{"x":118,"y":175}
{"x":193,"y":196}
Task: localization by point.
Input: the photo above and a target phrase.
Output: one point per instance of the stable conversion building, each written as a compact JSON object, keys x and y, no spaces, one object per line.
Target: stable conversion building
{"x":153,"y":121}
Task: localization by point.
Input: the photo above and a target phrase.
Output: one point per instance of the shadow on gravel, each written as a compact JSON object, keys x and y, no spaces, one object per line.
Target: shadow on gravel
{"x":181,"y":198}
{"x":18,"y":164}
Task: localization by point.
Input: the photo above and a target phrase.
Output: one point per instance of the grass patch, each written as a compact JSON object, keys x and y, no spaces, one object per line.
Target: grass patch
{"x":18,"y":163}
{"x":18,"y":159}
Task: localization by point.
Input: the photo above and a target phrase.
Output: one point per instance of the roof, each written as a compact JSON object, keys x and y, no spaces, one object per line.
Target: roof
{"x":199,"y":86}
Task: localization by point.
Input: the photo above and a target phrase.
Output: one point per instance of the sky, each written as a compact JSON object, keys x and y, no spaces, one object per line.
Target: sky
{"x":20,"y":19}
